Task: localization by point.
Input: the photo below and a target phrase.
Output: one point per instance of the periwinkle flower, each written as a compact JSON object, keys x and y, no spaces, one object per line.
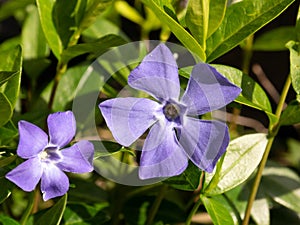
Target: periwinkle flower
{"x":176,"y":134}
{"x":45,"y":159}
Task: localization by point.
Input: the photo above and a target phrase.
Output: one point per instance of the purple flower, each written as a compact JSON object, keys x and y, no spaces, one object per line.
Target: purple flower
{"x":45,"y":161}
{"x":176,"y":134}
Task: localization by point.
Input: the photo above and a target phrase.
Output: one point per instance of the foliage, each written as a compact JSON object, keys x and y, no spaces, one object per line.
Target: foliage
{"x":55,"y":60}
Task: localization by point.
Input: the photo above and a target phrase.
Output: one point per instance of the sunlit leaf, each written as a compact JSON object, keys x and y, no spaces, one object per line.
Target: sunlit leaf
{"x":242,"y":19}
{"x":220,"y":210}
{"x":45,"y":8}
{"x":242,"y":157}
{"x":9,"y":8}
{"x":291,"y":114}
{"x":295,"y":64}
{"x":6,"y":75}
{"x":196,"y":19}
{"x":217,"y":10}
{"x":186,"y":39}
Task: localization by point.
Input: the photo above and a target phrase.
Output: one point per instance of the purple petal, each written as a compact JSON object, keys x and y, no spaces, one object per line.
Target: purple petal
{"x":27,"y":174}
{"x":208,"y":90}
{"x":54,"y":182}
{"x":204,"y":141}
{"x":164,"y":159}
{"x":62,"y":128}
{"x":129,"y":118}
{"x":32,"y":141}
{"x":78,"y":158}
{"x":157,"y":74}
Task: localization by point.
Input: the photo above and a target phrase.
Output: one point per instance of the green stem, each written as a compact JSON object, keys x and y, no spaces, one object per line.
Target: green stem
{"x":193,"y":212}
{"x":273,"y":130}
{"x":156,"y":205}
{"x":28,"y":209}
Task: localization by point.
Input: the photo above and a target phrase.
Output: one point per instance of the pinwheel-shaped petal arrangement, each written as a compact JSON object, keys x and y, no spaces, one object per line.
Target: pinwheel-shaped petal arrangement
{"x":176,"y":134}
{"x":45,"y":159}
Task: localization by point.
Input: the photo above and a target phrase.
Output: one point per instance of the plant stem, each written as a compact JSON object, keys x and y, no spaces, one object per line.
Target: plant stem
{"x":156,"y":204}
{"x":28,"y":209}
{"x":193,"y":212}
{"x":273,"y":130}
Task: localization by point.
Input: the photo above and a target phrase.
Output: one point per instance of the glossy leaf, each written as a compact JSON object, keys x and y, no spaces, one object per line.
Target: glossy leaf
{"x":242,"y":19}
{"x":283,"y":186}
{"x":183,"y":36}
{"x":53,"y":215}
{"x":98,"y":47}
{"x":129,"y":12}
{"x":294,"y":48}
{"x":275,"y":40}
{"x":219,"y":210}
{"x":65,"y":18}
{"x":45,"y":8}
{"x":189,"y":180}
{"x":252,"y":94}
{"x":291,"y":114}
{"x":196,"y":19}
{"x":241,"y":158}
{"x":6,"y":109}
{"x":106,"y":148}
{"x":217,"y":9}
{"x":6,"y":75}
{"x":33,"y":40}
{"x":11,"y":60}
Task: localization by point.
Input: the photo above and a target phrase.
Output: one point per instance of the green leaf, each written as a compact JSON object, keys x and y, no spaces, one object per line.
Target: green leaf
{"x":129,"y":12}
{"x":53,"y":215}
{"x":100,"y":28}
{"x":11,"y":60}
{"x":217,"y":9}
{"x":6,"y":75}
{"x":183,"y":36}
{"x":65,"y":18}
{"x":196,"y":19}
{"x":219,"y":210}
{"x":6,"y":110}
{"x":67,"y":86}
{"x":295,"y":64}
{"x":33,"y":39}
{"x":94,"y":9}
{"x":241,"y":158}
{"x":188,"y":181}
{"x":274,"y":40}
{"x":45,"y":8}
{"x":5,"y":184}
{"x":83,"y":214}
{"x":98,"y":47}
{"x":252,"y":94}
{"x":106,"y":148}
{"x":241,"y":20}
{"x":291,"y":114}
{"x":283,"y":186}
{"x":9,"y":8}
{"x":5,"y":220}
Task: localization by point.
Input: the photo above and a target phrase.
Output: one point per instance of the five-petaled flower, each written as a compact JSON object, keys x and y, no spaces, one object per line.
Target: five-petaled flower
{"x":176,"y":133}
{"x":45,"y":159}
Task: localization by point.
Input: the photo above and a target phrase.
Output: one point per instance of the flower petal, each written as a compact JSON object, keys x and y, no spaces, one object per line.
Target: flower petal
{"x":204,"y":141}
{"x":27,"y":174}
{"x":208,"y":90}
{"x":157,"y":74}
{"x":62,"y":128}
{"x":164,"y":159}
{"x":129,"y":118}
{"x":78,"y":158}
{"x":54,"y":182}
{"x":32,"y":141}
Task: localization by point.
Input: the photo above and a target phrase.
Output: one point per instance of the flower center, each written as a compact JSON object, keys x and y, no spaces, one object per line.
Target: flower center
{"x":171,"y":111}
{"x":50,"y":154}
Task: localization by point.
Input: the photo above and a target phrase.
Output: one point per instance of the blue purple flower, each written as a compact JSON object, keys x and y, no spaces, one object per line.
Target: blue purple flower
{"x":45,"y":159}
{"x":176,"y":133}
